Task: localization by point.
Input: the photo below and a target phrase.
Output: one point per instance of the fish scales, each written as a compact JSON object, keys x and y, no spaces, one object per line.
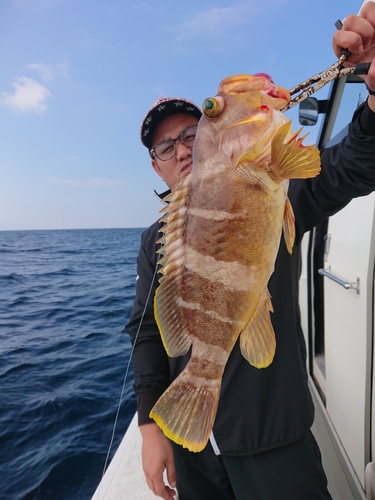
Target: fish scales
{"x":226,"y":239}
{"x":203,"y":292}
{"x":221,"y":237}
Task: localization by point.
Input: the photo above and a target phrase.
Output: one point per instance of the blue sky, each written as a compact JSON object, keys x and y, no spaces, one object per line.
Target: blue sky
{"x":77,"y":77}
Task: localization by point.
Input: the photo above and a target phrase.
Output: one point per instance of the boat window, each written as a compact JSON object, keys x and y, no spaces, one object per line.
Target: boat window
{"x":354,"y":94}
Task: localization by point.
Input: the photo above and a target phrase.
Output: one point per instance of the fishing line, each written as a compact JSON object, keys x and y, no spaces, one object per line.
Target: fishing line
{"x":127,"y":372}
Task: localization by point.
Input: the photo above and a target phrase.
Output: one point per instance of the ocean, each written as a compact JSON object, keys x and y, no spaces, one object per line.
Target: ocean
{"x":65,"y":297}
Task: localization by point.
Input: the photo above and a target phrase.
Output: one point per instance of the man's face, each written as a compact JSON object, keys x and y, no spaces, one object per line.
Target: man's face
{"x":173,"y":170}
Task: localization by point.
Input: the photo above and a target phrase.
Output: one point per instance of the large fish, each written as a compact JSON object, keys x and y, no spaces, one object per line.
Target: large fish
{"x":221,"y":237}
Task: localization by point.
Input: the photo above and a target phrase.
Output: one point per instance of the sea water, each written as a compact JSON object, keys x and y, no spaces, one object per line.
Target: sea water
{"x":65,"y":297}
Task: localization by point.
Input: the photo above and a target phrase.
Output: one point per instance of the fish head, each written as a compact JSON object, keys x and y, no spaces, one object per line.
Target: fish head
{"x":252,"y":91}
{"x":242,"y":117}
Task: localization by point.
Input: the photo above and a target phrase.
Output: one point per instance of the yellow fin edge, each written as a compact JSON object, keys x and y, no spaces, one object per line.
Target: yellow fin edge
{"x":158,"y":323}
{"x":194,"y":447}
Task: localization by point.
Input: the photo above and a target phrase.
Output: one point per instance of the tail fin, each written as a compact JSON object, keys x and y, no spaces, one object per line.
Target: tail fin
{"x":186,"y":412}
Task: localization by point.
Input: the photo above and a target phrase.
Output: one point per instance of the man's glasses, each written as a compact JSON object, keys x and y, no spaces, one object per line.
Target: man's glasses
{"x":167,"y":149}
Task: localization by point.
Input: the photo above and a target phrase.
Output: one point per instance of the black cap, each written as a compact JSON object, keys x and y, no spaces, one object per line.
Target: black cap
{"x":163,"y":107}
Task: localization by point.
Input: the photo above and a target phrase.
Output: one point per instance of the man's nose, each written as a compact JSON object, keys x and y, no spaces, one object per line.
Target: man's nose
{"x":182,"y":151}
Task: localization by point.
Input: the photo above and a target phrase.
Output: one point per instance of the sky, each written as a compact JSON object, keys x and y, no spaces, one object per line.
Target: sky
{"x":78,"y":76}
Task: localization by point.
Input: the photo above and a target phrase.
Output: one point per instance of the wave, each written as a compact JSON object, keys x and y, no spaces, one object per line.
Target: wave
{"x":65,"y":297}
{"x":12,"y":277}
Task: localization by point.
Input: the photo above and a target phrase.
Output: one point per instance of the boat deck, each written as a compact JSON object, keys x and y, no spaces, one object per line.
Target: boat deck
{"x":124,"y":479}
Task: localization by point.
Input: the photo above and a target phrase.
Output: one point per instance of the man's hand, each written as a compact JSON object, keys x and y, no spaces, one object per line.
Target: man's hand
{"x":157,"y":455}
{"x":358,"y":36}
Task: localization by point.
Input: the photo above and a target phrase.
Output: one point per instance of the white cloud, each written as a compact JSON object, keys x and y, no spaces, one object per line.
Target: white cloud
{"x":216,"y":22}
{"x":28,"y":95}
{"x":48,"y":72}
{"x":93,"y":182}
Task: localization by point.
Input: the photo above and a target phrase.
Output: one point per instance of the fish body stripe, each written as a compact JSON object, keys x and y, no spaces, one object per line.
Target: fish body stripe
{"x":211,"y":352}
{"x":216,"y":215}
{"x":233,"y":275}
{"x":197,"y":307}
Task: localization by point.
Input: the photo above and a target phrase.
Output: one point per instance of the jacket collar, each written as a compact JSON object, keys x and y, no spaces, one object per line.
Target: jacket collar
{"x":162,"y":195}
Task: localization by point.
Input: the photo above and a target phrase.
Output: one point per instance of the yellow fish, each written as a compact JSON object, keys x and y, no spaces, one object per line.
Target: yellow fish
{"x":221,"y":237}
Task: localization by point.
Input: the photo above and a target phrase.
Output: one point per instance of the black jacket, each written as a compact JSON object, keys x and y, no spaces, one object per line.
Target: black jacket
{"x":267,"y":408}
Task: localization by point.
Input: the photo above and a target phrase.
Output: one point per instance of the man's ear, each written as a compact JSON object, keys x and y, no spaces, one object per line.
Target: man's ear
{"x":156,"y":167}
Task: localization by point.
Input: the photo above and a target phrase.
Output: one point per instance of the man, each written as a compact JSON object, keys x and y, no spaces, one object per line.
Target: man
{"x":261,"y":446}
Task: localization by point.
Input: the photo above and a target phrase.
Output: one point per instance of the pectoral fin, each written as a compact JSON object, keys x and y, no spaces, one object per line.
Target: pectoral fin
{"x":289,"y":228}
{"x":257,"y":340}
{"x":292,"y":160}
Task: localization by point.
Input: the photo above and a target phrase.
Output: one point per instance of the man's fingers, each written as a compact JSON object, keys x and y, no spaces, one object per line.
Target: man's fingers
{"x":363,"y":28}
{"x":368,"y":12}
{"x":347,"y":40}
{"x":357,"y":35}
{"x":171,"y":474}
{"x":155,"y":483}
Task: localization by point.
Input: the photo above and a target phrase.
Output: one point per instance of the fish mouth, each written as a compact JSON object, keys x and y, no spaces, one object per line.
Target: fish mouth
{"x":277,"y":92}
{"x":274,"y":90}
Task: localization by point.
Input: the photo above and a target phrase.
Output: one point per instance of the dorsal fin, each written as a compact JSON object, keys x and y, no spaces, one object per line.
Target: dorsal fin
{"x":168,"y":311}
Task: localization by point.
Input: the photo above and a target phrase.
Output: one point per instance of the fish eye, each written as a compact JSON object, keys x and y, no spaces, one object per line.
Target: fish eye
{"x":213,"y":106}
